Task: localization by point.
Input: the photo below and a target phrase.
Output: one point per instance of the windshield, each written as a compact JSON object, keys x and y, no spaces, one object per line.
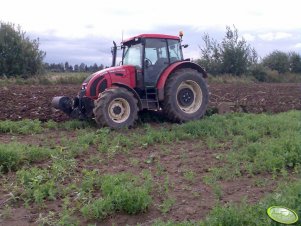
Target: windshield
{"x":133,"y":55}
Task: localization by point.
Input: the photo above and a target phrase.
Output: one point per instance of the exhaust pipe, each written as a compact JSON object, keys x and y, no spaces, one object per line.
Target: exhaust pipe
{"x":114,"y":54}
{"x":63,"y":103}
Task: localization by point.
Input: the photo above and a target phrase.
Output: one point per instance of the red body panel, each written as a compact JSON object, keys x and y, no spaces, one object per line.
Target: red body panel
{"x":125,"y":75}
{"x":166,"y":73}
{"x":153,"y":36}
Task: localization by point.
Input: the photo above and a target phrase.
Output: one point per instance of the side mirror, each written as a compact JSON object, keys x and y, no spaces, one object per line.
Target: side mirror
{"x":185,"y":46}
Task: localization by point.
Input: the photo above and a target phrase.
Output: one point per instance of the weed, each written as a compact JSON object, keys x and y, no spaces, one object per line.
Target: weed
{"x":134,"y":161}
{"x":75,"y":124}
{"x":166,"y":205}
{"x":14,"y":155}
{"x":189,"y":175}
{"x":120,"y":192}
{"x":50,"y":124}
{"x":6,"y":212}
{"x":160,"y":168}
{"x":25,"y":126}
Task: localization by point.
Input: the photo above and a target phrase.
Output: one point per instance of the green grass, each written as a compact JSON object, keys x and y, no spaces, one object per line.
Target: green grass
{"x":251,"y":144}
{"x":15,"y":155}
{"x":263,"y":143}
{"x":25,"y":126}
{"x":245,"y":214}
{"x":227,"y":78}
{"x":36,"y":185}
{"x":120,"y":192}
{"x":50,"y":78}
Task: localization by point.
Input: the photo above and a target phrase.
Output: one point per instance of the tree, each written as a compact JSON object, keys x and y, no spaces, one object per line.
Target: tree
{"x":18,"y":54}
{"x":76,"y":68}
{"x":66,"y":66}
{"x":82,"y":67}
{"x":295,"y":62}
{"x":278,"y":61}
{"x":232,"y":56}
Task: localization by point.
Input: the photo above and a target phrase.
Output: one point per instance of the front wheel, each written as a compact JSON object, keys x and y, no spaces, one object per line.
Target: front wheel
{"x":116,"y":108}
{"x":186,"y":96}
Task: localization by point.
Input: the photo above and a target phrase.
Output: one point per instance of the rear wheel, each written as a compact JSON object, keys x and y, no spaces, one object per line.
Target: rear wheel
{"x":116,"y":108}
{"x":186,"y":95}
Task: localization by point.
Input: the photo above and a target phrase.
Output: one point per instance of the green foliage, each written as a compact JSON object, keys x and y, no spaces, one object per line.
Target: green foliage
{"x":283,"y":62}
{"x":278,"y":61}
{"x":25,"y":126}
{"x":166,"y":205}
{"x":75,"y":124}
{"x":245,"y":214}
{"x":14,"y":155}
{"x":189,"y":175}
{"x":121,"y":192}
{"x":39,"y":184}
{"x":232,"y":56}
{"x":19,"y":54}
{"x":295,"y":62}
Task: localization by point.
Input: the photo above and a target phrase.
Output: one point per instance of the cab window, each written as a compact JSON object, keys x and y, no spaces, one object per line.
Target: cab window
{"x":174,"y":48}
{"x":133,"y":55}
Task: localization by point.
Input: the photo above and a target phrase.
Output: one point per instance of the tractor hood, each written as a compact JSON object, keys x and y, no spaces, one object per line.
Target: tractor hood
{"x":100,"y":80}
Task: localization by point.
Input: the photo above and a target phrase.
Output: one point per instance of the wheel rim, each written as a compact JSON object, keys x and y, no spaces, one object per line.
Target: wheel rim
{"x":119,"y":110}
{"x":189,"y":96}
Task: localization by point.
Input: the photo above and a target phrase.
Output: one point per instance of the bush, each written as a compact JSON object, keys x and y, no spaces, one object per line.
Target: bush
{"x":232,"y":56}
{"x":278,"y":61}
{"x":19,"y":54}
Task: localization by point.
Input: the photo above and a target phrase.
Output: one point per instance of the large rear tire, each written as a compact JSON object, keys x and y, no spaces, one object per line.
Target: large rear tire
{"x":186,"y":95}
{"x":116,"y":108}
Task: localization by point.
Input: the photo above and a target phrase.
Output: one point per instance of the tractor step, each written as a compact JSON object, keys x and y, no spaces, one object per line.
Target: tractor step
{"x":151,"y":100}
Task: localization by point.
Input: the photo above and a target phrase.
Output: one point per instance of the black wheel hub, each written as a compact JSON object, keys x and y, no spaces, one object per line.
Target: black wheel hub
{"x":117,"y":110}
{"x":185,"y":97}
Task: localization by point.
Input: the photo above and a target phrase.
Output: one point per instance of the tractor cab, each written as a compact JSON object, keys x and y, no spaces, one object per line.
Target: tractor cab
{"x":151,"y":54}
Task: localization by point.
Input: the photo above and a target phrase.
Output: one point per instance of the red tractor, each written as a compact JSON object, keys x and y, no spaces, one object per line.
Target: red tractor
{"x":152,"y":75}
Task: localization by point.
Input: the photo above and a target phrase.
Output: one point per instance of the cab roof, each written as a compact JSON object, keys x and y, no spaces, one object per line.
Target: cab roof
{"x":152,"y":36}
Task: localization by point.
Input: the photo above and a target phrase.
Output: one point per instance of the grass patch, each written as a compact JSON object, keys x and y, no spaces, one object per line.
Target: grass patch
{"x":14,"y":155}
{"x":120,"y":192}
{"x":25,"y":126}
{"x":47,"y":79}
{"x":227,"y":79}
{"x":36,"y":184}
{"x":245,"y":214}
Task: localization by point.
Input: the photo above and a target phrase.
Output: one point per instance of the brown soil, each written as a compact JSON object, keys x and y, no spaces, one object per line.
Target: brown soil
{"x":34,"y":102}
{"x":193,"y":199}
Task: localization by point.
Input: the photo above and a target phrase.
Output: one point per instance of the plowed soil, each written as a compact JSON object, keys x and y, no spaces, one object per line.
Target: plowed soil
{"x":34,"y":101}
{"x":193,"y":199}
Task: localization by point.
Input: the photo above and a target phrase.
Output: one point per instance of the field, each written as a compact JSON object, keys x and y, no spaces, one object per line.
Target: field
{"x":225,"y":169}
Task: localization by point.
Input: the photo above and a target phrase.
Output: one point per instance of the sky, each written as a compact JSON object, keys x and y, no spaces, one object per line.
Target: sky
{"x":83,"y":31}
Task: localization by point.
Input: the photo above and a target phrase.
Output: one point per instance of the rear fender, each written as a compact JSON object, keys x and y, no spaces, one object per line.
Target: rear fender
{"x":172,"y":68}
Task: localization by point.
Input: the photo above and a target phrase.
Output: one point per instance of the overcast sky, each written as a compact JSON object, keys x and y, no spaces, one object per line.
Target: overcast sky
{"x":82,"y":31}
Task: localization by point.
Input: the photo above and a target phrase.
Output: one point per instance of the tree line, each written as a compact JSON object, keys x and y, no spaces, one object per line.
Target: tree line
{"x":19,"y":55}
{"x":66,"y":67}
{"x":234,"y":56}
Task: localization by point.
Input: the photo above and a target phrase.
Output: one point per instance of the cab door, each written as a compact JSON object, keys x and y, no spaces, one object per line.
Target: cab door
{"x":155,"y":60}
